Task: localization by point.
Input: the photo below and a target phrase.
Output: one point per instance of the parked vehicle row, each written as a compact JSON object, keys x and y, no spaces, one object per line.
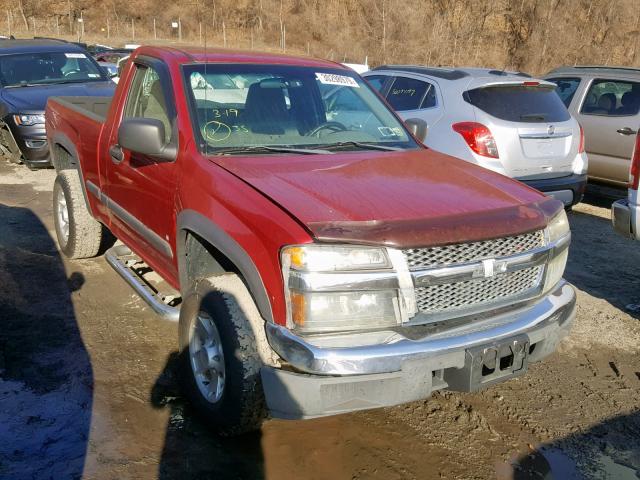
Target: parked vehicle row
{"x":323,"y":259}
{"x":318,"y":258}
{"x":606,"y":102}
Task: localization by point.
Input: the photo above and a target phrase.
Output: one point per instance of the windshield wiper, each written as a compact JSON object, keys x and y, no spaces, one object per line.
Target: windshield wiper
{"x":20,"y":85}
{"x":270,"y":148}
{"x":364,"y":146}
{"x":41,"y":84}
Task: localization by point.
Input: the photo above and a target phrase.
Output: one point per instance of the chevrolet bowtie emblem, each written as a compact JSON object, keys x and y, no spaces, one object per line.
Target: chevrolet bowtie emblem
{"x":489,"y":267}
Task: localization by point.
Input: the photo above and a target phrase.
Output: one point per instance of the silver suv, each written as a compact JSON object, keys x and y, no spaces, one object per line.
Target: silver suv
{"x":606,"y":102}
{"x":504,"y":121}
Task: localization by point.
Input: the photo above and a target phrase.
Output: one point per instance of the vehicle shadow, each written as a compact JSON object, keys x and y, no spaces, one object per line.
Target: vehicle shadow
{"x":191,"y":450}
{"x":610,"y":449}
{"x":46,"y":378}
{"x":597,"y":252}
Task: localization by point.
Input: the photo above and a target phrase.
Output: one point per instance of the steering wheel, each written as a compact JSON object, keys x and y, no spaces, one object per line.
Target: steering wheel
{"x":332,"y":126}
{"x":72,"y":72}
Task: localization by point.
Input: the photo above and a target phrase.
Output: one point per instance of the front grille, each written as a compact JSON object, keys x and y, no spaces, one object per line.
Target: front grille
{"x":433,"y":257}
{"x":449,"y":297}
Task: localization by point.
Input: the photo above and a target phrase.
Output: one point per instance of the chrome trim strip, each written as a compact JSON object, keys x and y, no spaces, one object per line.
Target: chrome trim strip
{"x":381,"y":280}
{"x":556,"y":307}
{"x":543,"y":136}
{"x":322,"y":282}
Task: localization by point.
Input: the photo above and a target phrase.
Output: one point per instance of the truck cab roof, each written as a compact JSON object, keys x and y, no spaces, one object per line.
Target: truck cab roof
{"x":219,"y":55}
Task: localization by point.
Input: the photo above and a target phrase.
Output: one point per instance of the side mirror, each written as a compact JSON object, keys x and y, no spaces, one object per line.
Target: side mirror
{"x":418,"y":128}
{"x":146,"y":136}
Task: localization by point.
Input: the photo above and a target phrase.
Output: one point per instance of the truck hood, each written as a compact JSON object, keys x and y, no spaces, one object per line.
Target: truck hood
{"x":26,"y":99}
{"x":401,"y":199}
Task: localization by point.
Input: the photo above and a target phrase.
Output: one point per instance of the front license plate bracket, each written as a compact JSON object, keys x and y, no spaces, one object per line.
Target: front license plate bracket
{"x":489,"y":364}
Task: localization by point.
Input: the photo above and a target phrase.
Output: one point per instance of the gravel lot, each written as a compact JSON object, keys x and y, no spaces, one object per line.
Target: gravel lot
{"x":88,"y":388}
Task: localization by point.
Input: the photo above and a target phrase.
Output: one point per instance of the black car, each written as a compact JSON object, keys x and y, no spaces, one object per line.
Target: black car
{"x":31,"y":71}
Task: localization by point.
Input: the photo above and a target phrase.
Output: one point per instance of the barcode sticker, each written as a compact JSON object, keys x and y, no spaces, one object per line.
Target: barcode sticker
{"x":75,"y":55}
{"x":333,"y":79}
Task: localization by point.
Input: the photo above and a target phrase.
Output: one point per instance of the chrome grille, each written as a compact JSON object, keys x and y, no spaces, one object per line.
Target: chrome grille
{"x":448,"y":255}
{"x":449,"y":297}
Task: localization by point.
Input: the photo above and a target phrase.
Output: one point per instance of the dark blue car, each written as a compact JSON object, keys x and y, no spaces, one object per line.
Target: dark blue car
{"x":31,"y":71}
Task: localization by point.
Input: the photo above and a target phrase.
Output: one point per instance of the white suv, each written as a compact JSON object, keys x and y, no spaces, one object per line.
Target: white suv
{"x":504,"y":121}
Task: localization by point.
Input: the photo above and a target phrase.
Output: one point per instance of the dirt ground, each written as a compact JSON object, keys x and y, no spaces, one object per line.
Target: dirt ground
{"x":88,"y":384}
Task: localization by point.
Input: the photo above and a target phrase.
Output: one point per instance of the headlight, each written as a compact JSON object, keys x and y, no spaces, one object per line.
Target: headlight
{"x":558,"y":228}
{"x":336,"y":311}
{"x":329,"y":258}
{"x":28,"y":119}
{"x":318,"y":298}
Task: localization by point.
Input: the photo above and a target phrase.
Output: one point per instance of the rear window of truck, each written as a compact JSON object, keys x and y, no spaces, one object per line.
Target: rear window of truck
{"x":519,"y":103}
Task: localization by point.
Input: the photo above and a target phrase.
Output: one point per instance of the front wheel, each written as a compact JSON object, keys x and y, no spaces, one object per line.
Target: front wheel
{"x":79,"y":234}
{"x":219,"y":360}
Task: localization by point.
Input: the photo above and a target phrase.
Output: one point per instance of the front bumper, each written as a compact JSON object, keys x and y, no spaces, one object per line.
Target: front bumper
{"x":335,"y":379}
{"x":569,"y":190}
{"x":625,"y":218}
{"x":29,"y":142}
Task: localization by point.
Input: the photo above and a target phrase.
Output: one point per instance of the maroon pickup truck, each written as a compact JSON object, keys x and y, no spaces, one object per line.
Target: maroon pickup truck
{"x":319,"y":259}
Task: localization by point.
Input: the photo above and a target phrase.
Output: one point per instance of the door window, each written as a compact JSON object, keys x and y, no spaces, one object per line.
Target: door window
{"x":612,"y":98}
{"x":376,"y":81}
{"x":147,"y":100}
{"x":410,"y":94}
{"x":566,"y":88}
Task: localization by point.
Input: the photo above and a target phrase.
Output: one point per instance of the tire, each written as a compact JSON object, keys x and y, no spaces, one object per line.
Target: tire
{"x":79,"y":234}
{"x":15,"y":158}
{"x":240,"y":407}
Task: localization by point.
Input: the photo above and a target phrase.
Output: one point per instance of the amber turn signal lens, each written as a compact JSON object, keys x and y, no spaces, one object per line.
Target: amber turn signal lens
{"x":297,"y":308}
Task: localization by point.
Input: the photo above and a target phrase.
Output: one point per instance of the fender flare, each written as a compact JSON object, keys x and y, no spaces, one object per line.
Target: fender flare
{"x":60,"y":138}
{"x":190,"y":220}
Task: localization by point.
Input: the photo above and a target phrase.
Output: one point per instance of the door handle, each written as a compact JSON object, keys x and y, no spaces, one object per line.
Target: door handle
{"x":626,"y":131}
{"x":116,"y":153}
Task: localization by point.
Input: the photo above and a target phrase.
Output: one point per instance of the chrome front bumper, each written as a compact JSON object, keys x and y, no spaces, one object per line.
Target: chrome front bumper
{"x":330,"y":379}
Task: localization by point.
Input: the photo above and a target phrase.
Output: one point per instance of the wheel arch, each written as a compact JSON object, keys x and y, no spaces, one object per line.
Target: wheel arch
{"x":218,"y":253}
{"x":64,"y":156}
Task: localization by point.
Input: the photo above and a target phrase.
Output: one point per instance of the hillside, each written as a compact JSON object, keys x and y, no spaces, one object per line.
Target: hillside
{"x":532,"y":36}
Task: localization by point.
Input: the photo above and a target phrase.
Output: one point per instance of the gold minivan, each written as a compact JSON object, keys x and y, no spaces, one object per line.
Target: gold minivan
{"x":606,"y":102}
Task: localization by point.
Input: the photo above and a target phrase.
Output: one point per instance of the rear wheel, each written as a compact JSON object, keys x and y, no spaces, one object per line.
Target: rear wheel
{"x":79,"y":234}
{"x":219,"y":360}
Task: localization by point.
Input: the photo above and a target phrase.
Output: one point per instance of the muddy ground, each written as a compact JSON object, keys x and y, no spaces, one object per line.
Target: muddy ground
{"x":88,"y":387}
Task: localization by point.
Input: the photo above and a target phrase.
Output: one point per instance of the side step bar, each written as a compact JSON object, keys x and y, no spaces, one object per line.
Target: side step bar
{"x":132,"y":269}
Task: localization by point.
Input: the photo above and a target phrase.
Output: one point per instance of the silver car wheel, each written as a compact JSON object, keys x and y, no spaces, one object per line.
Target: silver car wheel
{"x":62,"y":215}
{"x":207,"y":358}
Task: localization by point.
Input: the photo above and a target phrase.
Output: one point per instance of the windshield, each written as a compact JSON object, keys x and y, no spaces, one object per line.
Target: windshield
{"x":244,"y":106}
{"x":47,"y":68}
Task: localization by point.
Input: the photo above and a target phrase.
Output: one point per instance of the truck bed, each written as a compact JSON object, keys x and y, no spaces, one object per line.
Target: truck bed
{"x":92,"y":107}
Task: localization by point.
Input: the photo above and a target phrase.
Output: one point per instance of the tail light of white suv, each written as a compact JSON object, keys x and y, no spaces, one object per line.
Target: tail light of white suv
{"x":478,"y":137}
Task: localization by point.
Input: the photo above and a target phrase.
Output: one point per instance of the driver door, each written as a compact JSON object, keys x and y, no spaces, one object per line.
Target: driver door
{"x":141,"y":189}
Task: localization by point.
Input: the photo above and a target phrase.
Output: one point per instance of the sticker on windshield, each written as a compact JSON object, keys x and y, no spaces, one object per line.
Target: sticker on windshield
{"x":390,"y":131}
{"x":75,"y":55}
{"x":94,"y":75}
{"x":332,"y":79}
